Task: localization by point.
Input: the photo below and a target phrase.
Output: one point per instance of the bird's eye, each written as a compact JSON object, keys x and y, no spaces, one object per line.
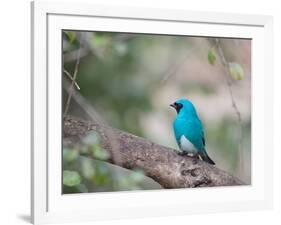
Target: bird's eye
{"x":179,"y":105}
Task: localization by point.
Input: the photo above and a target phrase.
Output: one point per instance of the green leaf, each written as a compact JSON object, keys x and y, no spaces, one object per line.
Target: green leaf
{"x":71,"y":36}
{"x":102,"y":173}
{"x":70,"y":155}
{"x":88,"y":170}
{"x":99,"y":153}
{"x":212,"y":56}
{"x":80,"y":188}
{"x":71,"y":178}
{"x":236,"y":71}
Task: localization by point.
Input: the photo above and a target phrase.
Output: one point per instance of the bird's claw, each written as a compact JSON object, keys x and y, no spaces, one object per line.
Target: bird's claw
{"x":182,"y":153}
{"x":194,"y":157}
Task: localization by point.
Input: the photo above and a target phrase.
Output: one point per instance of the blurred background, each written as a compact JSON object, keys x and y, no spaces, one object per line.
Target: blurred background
{"x":130,"y":79}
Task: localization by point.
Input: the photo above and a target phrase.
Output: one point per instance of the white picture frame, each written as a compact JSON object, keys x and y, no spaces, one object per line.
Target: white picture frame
{"x":48,"y":203}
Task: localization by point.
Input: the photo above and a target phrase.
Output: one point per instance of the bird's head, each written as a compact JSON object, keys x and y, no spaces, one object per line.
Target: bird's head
{"x":184,"y":106}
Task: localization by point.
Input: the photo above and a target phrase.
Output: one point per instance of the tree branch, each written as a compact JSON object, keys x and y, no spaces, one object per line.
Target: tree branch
{"x":160,"y":163}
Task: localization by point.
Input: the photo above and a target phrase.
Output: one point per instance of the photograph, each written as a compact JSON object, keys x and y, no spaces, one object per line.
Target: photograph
{"x":145,"y":111}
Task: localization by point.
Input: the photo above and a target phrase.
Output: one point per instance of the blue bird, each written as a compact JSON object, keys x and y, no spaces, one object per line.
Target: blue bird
{"x":189,"y":131}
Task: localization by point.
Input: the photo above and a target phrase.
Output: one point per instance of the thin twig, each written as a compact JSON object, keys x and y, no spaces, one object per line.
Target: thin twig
{"x":71,"y":78}
{"x":98,"y":119}
{"x":72,"y":56}
{"x":79,"y":99}
{"x":234,"y":105}
{"x":72,"y":82}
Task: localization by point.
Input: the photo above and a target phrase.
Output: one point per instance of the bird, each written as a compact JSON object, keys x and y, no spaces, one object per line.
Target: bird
{"x":189,"y":131}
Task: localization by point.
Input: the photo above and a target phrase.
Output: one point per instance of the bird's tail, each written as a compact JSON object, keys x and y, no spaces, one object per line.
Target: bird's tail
{"x":206,"y":158}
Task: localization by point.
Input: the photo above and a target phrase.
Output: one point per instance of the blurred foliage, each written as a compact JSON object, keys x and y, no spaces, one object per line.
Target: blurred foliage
{"x":225,"y":133}
{"x":109,"y":77}
{"x":86,"y":174}
{"x":212,"y":56}
{"x":71,"y":178}
{"x":71,"y":35}
{"x":236,"y":71}
{"x":119,"y":75}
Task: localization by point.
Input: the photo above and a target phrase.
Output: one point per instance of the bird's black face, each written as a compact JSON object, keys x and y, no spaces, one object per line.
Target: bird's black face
{"x":177,"y":106}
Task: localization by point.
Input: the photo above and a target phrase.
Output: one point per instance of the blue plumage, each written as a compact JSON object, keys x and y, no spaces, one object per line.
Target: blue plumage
{"x":189,"y":131}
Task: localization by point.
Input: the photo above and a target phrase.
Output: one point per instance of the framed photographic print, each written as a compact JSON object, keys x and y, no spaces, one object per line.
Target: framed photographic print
{"x":147,"y":112}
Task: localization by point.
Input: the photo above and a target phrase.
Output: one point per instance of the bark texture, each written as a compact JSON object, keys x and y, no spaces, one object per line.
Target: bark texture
{"x":162,"y":164}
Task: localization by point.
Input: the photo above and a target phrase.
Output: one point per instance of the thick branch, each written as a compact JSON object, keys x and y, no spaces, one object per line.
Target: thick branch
{"x":160,"y":163}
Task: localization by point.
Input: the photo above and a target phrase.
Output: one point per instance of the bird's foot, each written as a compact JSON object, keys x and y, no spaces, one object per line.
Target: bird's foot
{"x":182,"y":153}
{"x":194,"y":158}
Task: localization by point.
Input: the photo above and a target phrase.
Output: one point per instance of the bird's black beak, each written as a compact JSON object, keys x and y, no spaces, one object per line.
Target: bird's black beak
{"x":176,"y":106}
{"x":173,"y":105}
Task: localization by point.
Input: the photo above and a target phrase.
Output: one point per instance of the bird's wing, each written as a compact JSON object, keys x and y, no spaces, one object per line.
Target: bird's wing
{"x":203,"y":140}
{"x":195,"y":134}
